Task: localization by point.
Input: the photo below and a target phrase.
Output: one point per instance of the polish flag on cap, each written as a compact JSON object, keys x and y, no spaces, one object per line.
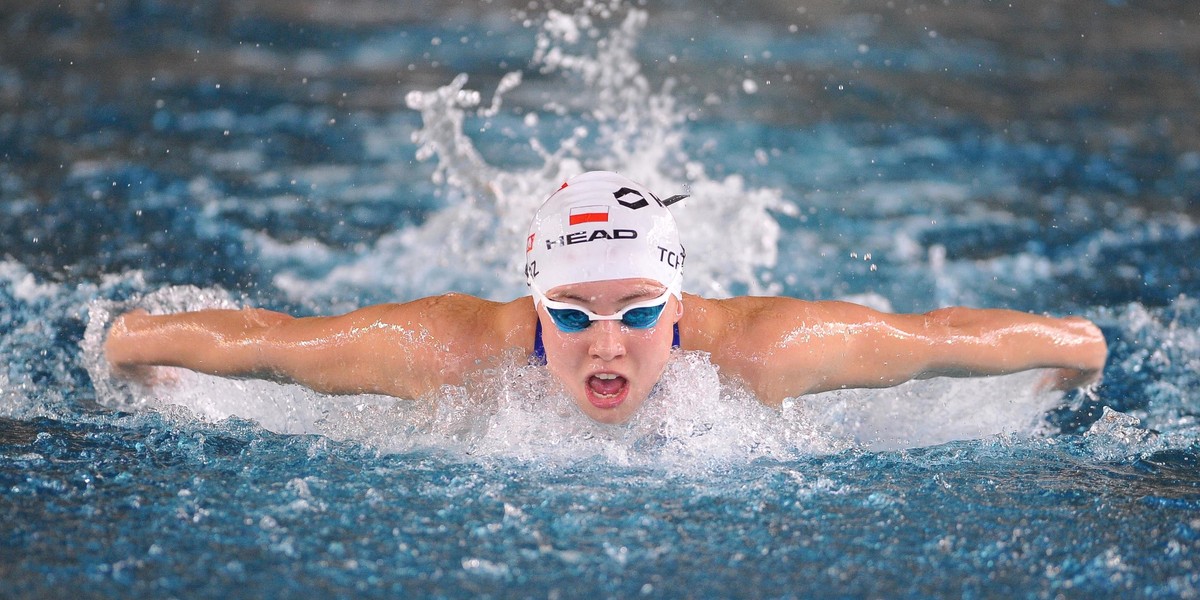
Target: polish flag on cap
{"x":588,"y":214}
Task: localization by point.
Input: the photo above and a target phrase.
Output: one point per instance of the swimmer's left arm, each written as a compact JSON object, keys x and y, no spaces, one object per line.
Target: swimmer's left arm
{"x":821,"y":346}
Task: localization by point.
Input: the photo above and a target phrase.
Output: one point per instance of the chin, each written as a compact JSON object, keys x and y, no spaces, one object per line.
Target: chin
{"x":610,"y":415}
{"x":610,"y":418}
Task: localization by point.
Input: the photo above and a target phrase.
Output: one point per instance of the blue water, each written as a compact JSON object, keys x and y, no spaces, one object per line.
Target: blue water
{"x":314,"y":157}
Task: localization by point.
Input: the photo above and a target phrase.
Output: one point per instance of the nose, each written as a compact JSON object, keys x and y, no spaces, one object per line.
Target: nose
{"x":607,"y":340}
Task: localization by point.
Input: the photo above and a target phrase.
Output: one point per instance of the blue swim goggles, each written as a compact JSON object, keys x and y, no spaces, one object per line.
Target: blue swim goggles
{"x":570,"y":318}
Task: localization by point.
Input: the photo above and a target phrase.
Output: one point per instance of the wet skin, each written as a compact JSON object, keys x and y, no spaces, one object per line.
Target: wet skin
{"x":587,"y":361}
{"x":777,"y":347}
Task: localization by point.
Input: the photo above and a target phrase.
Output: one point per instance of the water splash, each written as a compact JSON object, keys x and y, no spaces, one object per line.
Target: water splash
{"x":620,"y":123}
{"x":43,"y":375}
{"x":935,"y":411}
{"x":517,"y":411}
{"x":1117,"y":436}
{"x":1160,"y":348}
{"x":694,"y":420}
{"x":615,"y":120}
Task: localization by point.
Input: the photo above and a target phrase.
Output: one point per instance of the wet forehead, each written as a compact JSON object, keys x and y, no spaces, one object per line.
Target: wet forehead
{"x":622,"y":291}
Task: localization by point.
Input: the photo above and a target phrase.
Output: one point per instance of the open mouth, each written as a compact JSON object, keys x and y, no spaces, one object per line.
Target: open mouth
{"x":607,"y":390}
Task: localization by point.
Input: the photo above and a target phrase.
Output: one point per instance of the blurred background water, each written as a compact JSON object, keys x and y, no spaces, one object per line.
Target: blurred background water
{"x":315,"y":156}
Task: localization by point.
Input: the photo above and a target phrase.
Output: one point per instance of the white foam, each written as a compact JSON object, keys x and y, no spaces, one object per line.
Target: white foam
{"x":25,"y":286}
{"x":934,"y":411}
{"x":694,"y":420}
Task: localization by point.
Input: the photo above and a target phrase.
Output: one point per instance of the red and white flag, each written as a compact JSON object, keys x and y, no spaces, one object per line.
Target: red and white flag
{"x":588,"y":214}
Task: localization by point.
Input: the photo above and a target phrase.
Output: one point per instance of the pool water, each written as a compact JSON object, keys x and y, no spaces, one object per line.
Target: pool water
{"x":313,"y":157}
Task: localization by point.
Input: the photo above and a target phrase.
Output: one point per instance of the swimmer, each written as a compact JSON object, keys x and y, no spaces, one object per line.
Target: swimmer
{"x":604,"y":265}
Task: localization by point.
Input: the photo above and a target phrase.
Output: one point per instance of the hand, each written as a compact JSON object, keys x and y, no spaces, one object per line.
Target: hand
{"x":118,"y":346}
{"x":1068,"y":379}
{"x":147,"y":375}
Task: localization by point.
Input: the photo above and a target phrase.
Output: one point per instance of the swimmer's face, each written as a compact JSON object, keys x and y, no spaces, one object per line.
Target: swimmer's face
{"x":609,"y":368}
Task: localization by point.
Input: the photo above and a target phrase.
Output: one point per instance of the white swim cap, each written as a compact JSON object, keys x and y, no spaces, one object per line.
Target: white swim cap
{"x":600,"y":226}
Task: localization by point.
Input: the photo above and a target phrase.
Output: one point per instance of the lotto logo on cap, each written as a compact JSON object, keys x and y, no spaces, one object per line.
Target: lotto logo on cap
{"x":588,"y":214}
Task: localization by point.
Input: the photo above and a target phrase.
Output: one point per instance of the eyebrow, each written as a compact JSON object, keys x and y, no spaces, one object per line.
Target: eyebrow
{"x":646,"y":292}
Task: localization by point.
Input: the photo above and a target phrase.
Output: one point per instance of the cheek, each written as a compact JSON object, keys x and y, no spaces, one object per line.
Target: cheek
{"x":563,"y":352}
{"x":560,"y":366}
{"x":652,"y":351}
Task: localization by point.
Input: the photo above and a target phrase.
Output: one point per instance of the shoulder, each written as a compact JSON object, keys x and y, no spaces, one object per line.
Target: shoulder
{"x":711,"y":324}
{"x":515,"y":321}
{"x":467,"y":324}
{"x":755,"y":339}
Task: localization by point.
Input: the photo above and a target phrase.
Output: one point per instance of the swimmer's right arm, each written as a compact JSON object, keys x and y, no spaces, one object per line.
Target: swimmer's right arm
{"x":217,"y":342}
{"x":402,"y":350}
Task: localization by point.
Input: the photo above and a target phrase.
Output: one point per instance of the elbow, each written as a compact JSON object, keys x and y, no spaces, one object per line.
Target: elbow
{"x":1090,"y":339}
{"x":950,"y":317}
{"x":263,"y":318}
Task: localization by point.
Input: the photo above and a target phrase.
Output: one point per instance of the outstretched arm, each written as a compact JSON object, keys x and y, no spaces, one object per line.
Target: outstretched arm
{"x":401,"y":350}
{"x":808,"y":347}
